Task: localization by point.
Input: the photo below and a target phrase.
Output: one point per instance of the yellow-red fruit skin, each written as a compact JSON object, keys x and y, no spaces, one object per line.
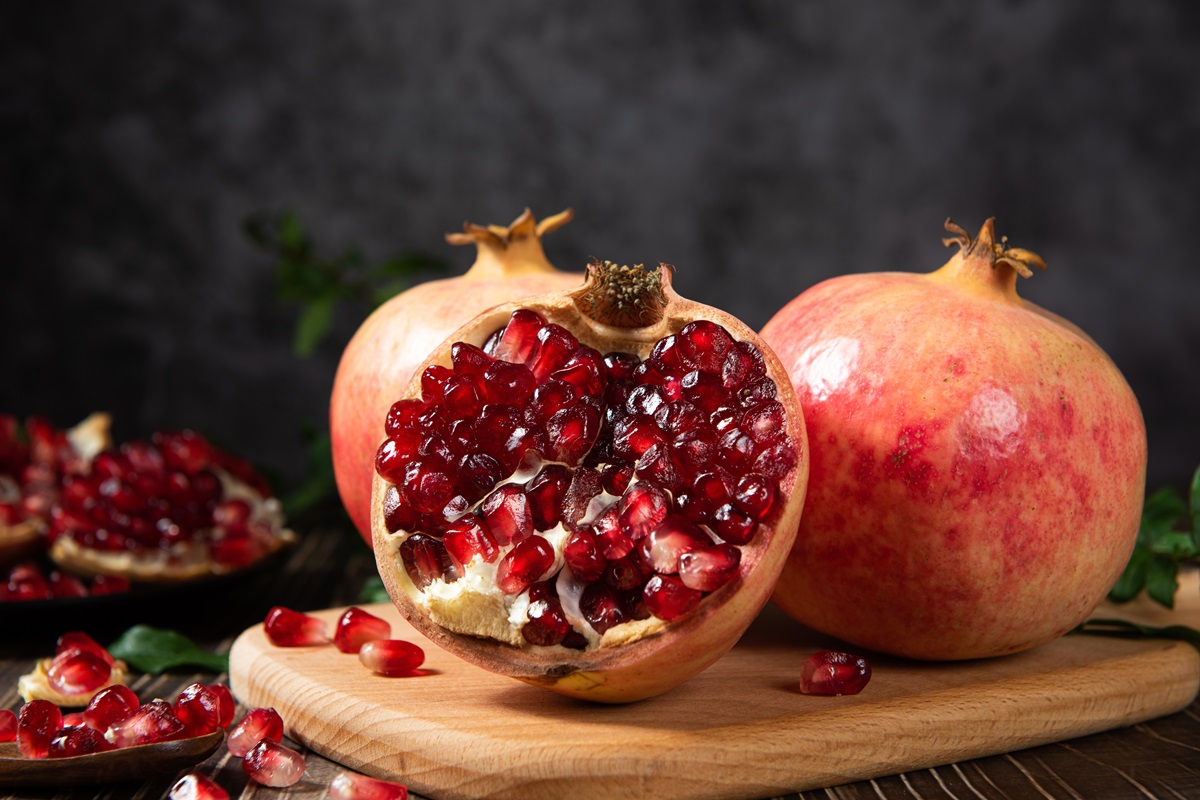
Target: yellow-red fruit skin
{"x":977,"y":464}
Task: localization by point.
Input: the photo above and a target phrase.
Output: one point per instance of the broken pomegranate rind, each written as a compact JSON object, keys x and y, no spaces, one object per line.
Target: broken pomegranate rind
{"x":676,"y":436}
{"x":36,"y":685}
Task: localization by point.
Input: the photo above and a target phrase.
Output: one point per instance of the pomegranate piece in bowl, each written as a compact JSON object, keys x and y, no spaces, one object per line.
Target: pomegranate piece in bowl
{"x":591,"y":491}
{"x":173,"y":508}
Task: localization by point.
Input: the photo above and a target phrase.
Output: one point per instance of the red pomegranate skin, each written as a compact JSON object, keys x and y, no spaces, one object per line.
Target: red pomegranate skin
{"x":978,"y":463}
{"x":380,"y":358}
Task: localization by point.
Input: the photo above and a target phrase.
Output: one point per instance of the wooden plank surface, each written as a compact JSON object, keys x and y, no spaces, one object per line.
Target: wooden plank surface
{"x":740,"y":729}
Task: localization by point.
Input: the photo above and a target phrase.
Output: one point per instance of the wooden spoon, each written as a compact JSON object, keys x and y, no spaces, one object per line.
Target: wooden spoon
{"x":111,"y":766}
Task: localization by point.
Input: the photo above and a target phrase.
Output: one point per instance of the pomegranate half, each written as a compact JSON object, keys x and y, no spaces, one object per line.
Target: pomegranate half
{"x":591,"y":491}
{"x":978,"y":463}
{"x":383,"y":354}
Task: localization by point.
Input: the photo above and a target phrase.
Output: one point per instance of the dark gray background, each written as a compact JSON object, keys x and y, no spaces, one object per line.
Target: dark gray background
{"x":758,"y":146}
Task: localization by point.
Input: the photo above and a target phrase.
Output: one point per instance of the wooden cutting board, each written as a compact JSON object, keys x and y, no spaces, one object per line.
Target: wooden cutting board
{"x":738,"y":730}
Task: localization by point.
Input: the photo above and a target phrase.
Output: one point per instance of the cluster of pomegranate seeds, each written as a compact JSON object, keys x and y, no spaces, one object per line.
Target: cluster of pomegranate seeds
{"x":358,"y":631}
{"x":115,"y":718}
{"x":830,"y":672}
{"x":656,"y":470}
{"x":288,"y":628}
{"x":176,"y":498}
{"x":348,"y":785}
{"x":27,"y":580}
{"x":195,"y":786}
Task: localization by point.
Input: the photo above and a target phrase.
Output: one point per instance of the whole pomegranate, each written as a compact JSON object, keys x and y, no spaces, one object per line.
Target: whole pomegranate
{"x":978,"y":463}
{"x":382,"y":355}
{"x":591,"y":491}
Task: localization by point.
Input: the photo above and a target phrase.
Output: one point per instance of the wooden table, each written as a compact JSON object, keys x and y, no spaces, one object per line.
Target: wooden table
{"x":1156,"y":759}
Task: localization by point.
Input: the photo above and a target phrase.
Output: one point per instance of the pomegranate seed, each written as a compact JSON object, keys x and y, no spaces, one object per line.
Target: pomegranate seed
{"x":73,"y":719}
{"x":643,"y":507}
{"x":572,"y":432}
{"x":743,"y":365}
{"x":524,"y":564}
{"x":77,"y":741}
{"x":519,"y":341}
{"x":620,"y":366}
{"x":611,"y":540}
{"x":776,"y":461}
{"x":152,"y":722}
{"x":658,"y":465}
{"x":469,"y":360}
{"x":757,"y":392}
{"x":714,"y":489}
{"x":555,"y":346}
{"x":402,"y":415}
{"x":703,"y":345}
{"x":581,"y":552}
{"x":194,"y":786}
{"x":505,"y":382}
{"x":755,"y":495}
{"x":709,"y":568}
{"x":551,"y":397}
{"x":734,"y":525}
{"x":584,"y":370}
{"x":507,"y":514}
{"x":585,"y":484}
{"x":676,"y":417}
{"x":634,"y":435}
{"x":665,"y":357}
{"x":63,"y":585}
{"x":78,"y":641}
{"x":664,"y":545}
{"x":8,"y":725}
{"x":547,"y":624}
{"x":828,"y":672}
{"x":257,"y":724}
{"x":427,"y":485}
{"x":433,"y":379}
{"x":624,"y":574}
{"x":462,"y":396}
{"x":272,"y":764}
{"x":600,"y":608}
{"x":225,"y":704}
{"x":668,"y":598}
{"x":109,"y":706}
{"x":77,"y":672}
{"x":764,"y":423}
{"x":199,"y":709}
{"x":426,"y":560}
{"x":357,"y":627}
{"x":466,"y":538}
{"x":348,"y":785}
{"x":110,"y":584}
{"x":705,"y":391}
{"x":694,"y":450}
{"x":37,"y":723}
{"x":288,"y":628}
{"x":545,"y":492}
{"x":391,"y":657}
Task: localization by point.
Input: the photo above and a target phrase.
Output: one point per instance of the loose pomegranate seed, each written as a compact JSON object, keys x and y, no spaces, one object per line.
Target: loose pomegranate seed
{"x":524,"y":564}
{"x":357,"y":627}
{"x":152,"y":722}
{"x":77,"y":672}
{"x":272,"y":764}
{"x":256,"y":725}
{"x":225,"y":704}
{"x":668,"y":598}
{"x":829,"y":672}
{"x":709,"y":568}
{"x":198,"y":708}
{"x":109,"y":706}
{"x":110,"y":584}
{"x":353,"y":786}
{"x":37,"y":723}
{"x":288,"y":628}
{"x":63,"y":585}
{"x":77,"y":741}
{"x":194,"y":786}
{"x":77,"y":641}
{"x":8,"y":725}
{"x":391,"y":657}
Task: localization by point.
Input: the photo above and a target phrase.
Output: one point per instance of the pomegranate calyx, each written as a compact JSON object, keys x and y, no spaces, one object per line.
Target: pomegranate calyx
{"x":623,"y":297}
{"x":513,"y":250}
{"x":984,"y":246}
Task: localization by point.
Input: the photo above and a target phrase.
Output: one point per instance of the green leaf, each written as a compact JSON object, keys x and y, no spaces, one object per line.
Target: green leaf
{"x":373,"y":591}
{"x":1132,"y":630}
{"x":1194,"y":504}
{"x":156,"y":650}
{"x":292,"y":238}
{"x":1130,"y":584}
{"x":1161,"y":582}
{"x":315,"y":322}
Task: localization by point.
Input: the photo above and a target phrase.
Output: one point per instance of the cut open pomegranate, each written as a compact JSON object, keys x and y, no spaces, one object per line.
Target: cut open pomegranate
{"x":591,"y":491}
{"x":172,"y":508}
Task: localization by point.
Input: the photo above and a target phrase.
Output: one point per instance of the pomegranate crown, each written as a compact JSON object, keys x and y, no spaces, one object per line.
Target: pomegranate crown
{"x":985,"y":246}
{"x":623,"y":296}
